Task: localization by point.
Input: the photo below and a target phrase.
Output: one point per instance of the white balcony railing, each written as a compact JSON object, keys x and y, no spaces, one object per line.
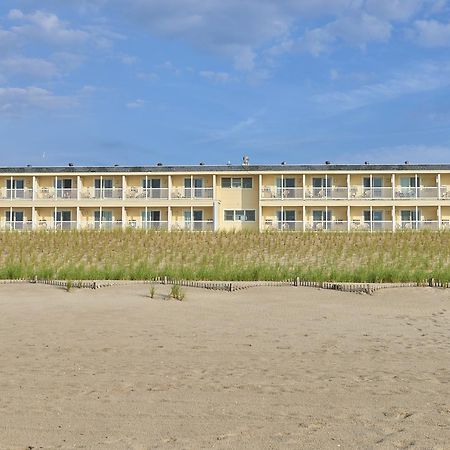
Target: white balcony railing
{"x":194,"y":225}
{"x":16,"y":194}
{"x":327,"y":225}
{"x":146,"y":193}
{"x":14,"y":225}
{"x":45,"y":193}
{"x":285,"y":225}
{"x":356,"y":192}
{"x":101,"y":193}
{"x":374,"y":225}
{"x":149,"y":225}
{"x":192,"y":193}
{"x":277,"y":192}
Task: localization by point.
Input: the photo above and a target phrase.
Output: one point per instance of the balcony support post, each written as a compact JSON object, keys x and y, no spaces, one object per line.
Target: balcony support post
{"x":215,"y":214}
{"x":417,"y":216}
{"x":304,"y":186}
{"x":192,"y":212}
{"x":393,"y":219}
{"x":348,"y":215}
{"x":124,"y":186}
{"x":439,"y":213}
{"x":169,"y":187}
{"x":33,"y":217}
{"x":214,"y":179}
{"x":78,"y":218}
{"x":348,"y":186}
{"x":304,"y":217}
{"x":371,"y":218}
{"x":282,"y":186}
{"x":169,"y":218}
{"x":54,"y":217}
{"x":438,"y":181}
{"x":260,"y":218}
{"x":259,"y":186}
{"x":282,"y":217}
{"x":33,"y":186}
{"x":124,"y":216}
{"x":55,"y":188}
{"x":393,"y":185}
{"x":78,"y":187}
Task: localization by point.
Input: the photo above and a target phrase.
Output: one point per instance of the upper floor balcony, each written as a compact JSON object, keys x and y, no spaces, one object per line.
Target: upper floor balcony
{"x":355,"y":192}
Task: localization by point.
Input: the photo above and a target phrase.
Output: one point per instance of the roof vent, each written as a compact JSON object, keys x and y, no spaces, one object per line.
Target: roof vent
{"x":116,"y":165}
{"x":406,"y":162}
{"x":366,"y":163}
{"x":228,"y":163}
{"x":70,"y":164}
{"x":159,"y":164}
{"x":245,"y":160}
{"x":202,"y":163}
{"x":28,"y":165}
{"x":283,"y":163}
{"x":327,"y":163}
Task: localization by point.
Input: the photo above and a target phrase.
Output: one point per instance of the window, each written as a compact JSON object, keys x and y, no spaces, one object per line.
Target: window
{"x":229,"y":215}
{"x":105,"y":216}
{"x":152,"y":216}
{"x":151,"y":183}
{"x":377,"y":216}
{"x":63,"y":183}
{"x":240,"y":215}
{"x":246,"y":182}
{"x":62,"y":216}
{"x":15,"y":216}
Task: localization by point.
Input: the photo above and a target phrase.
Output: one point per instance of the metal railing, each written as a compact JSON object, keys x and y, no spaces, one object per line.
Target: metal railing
{"x":101,"y":193}
{"x":284,"y":225}
{"x":374,"y":225}
{"x":194,"y":225}
{"x":146,"y":193}
{"x":356,"y":192}
{"x":327,"y":225}
{"x":278,"y":192}
{"x":160,"y":225}
{"x":16,"y":194}
{"x":206,"y":192}
{"x":16,"y":225}
{"x":45,"y":193}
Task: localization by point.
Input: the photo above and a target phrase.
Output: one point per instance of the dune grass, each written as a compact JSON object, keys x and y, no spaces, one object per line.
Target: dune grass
{"x":140,"y":255}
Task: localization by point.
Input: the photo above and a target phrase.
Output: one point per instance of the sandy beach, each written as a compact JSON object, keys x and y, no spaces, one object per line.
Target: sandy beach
{"x":263,"y":368}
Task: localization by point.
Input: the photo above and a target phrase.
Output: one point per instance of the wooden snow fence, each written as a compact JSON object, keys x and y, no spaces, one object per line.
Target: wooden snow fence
{"x":231,"y":286}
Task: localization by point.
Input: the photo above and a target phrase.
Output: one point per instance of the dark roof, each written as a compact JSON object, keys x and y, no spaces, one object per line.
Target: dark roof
{"x":229,"y":168}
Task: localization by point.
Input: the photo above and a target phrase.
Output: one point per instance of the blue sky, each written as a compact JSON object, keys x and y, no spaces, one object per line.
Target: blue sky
{"x":183,"y":81}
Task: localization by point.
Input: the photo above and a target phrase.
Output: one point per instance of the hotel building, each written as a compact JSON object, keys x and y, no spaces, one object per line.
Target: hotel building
{"x":282,"y":197}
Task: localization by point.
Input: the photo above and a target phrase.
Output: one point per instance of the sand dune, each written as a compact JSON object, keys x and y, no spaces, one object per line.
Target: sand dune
{"x":265,"y":368}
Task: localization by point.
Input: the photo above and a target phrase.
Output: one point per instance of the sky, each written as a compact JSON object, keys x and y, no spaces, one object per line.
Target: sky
{"x":137,"y":82}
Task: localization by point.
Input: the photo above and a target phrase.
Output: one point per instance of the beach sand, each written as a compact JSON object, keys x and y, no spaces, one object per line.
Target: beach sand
{"x":263,"y":368}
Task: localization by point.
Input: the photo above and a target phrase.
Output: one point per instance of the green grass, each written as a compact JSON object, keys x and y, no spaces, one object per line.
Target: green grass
{"x":140,"y":255}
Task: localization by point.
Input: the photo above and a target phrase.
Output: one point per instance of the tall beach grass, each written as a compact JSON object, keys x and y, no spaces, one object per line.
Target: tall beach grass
{"x":141,"y":255}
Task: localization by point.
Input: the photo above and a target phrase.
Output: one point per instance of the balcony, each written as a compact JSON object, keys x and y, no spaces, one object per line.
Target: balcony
{"x":146,"y":193}
{"x":16,"y":194}
{"x":287,"y":225}
{"x":45,"y":193}
{"x":375,"y":225}
{"x":101,"y":193}
{"x":16,"y":225}
{"x":200,"y":193}
{"x":355,"y":193}
{"x":149,"y":225}
{"x":194,"y":225}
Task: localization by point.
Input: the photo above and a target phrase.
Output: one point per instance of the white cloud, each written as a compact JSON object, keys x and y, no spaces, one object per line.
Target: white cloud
{"x":218,"y":77}
{"x":357,"y":31}
{"x":398,"y":154}
{"x":46,"y":27}
{"x":431,"y":33}
{"x":16,"y":101}
{"x":427,"y":77}
{"x":30,"y":67}
{"x":136,"y":104}
{"x":394,"y":9}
